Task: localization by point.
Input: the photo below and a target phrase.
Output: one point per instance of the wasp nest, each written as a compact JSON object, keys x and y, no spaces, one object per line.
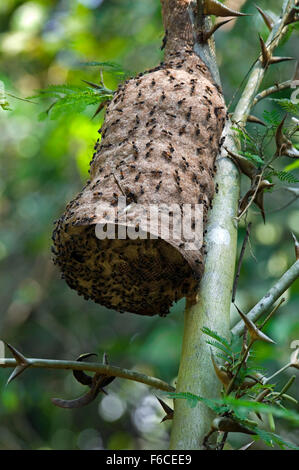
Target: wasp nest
{"x":158,"y":146}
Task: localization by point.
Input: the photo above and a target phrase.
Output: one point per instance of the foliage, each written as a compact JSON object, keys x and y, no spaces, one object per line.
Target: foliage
{"x":244,"y":400}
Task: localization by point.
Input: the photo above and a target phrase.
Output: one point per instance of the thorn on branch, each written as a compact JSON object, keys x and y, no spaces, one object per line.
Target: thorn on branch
{"x":166,"y":408}
{"x":22,"y":363}
{"x":225,"y":424}
{"x":267,"y":18}
{"x":207,"y":34}
{"x":213,"y":7}
{"x":255,"y":120}
{"x":245,"y":165}
{"x":267,"y":58}
{"x":254,"y":332}
{"x":255,"y":194}
{"x":223,"y":375}
{"x":284,"y":146}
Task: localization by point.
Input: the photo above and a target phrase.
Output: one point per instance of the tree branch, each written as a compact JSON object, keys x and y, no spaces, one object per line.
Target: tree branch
{"x":92,"y":367}
{"x":272,"y":89}
{"x":256,"y":76}
{"x":272,"y":295}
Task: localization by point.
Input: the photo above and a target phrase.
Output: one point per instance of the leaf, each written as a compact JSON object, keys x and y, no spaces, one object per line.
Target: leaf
{"x":272,"y":117}
{"x":74,"y":105}
{"x":216,"y":336}
{"x":56,"y":91}
{"x":243,"y":135}
{"x":220,"y":346}
{"x":270,"y":439}
{"x":192,"y":400}
{"x":287,"y":105}
{"x":284,"y":176}
{"x":292,"y":166}
{"x":238,"y":405}
{"x":254,"y":158}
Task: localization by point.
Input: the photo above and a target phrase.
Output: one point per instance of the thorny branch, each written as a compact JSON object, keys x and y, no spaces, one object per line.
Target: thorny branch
{"x":272,"y":295}
{"x":104,"y":369}
{"x":273,"y":89}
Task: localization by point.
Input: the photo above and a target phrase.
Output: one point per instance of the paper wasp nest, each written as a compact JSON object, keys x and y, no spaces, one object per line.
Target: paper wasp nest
{"x":159,"y":142}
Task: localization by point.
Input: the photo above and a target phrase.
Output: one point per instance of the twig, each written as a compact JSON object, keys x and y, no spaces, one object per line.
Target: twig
{"x":272,"y":89}
{"x":271,"y":313}
{"x":92,"y":367}
{"x":248,"y":229}
{"x":272,"y":295}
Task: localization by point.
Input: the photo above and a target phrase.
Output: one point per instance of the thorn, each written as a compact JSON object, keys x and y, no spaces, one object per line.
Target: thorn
{"x":259,"y":198}
{"x":93,"y":85}
{"x":16,"y":372}
{"x":229,"y":425}
{"x":284,"y":146}
{"x":276,"y":60}
{"x":256,"y":120}
{"x":166,"y":408}
{"x":265,"y":53}
{"x":22,"y":363}
{"x":258,"y":194}
{"x":222,"y":375}
{"x":267,"y":58}
{"x":213,"y":7}
{"x":206,"y":35}
{"x":100,"y":107}
{"x":246,"y":166}
{"x":19,"y":357}
{"x":255,"y":333}
{"x":267,"y":18}
{"x":296,"y":243}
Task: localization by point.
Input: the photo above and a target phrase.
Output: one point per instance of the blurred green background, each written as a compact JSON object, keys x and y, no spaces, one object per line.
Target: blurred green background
{"x":44,"y":163}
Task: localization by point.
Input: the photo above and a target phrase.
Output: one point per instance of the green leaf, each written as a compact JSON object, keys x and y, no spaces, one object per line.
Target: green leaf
{"x":270,"y":439}
{"x":56,"y":91}
{"x":292,"y":166}
{"x":192,"y":400}
{"x":252,"y":157}
{"x":221,"y":347}
{"x":213,"y":334}
{"x":287,"y":105}
{"x":284,"y":176}
{"x":239,"y":405}
{"x":272,"y":117}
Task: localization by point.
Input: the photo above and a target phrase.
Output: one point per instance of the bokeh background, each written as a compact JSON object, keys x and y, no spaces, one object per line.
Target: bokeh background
{"x":44,"y":163}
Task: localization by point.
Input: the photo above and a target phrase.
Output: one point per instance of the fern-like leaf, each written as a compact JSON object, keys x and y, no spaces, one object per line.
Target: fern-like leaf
{"x":287,"y":105}
{"x":216,"y":336}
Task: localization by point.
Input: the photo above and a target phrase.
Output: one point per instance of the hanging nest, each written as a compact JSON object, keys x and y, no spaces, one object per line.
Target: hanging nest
{"x":158,"y":146}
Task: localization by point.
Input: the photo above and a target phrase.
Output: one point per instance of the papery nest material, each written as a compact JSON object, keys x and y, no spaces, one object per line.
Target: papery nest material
{"x":159,"y":142}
